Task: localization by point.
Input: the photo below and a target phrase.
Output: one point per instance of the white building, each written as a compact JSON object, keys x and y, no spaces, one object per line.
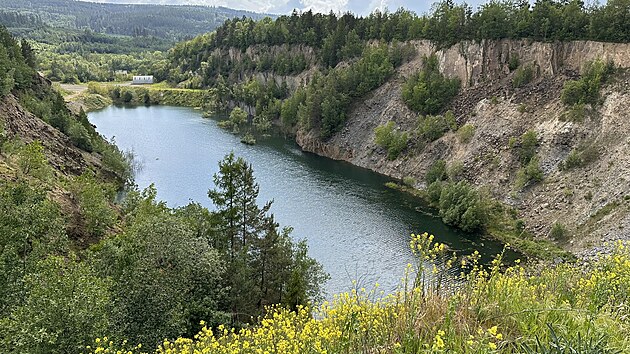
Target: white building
{"x":141,"y":80}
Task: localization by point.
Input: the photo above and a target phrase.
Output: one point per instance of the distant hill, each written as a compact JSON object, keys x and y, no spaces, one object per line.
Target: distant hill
{"x":167,"y":22}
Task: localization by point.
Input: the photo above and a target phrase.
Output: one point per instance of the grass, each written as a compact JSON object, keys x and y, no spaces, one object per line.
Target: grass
{"x":92,"y":101}
{"x":159,"y":93}
{"x":445,"y":304}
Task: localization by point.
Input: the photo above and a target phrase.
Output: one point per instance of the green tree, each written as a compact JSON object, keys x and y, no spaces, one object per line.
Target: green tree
{"x":261,"y":258}
{"x":429,"y":92}
{"x":461,"y":205}
{"x":28,"y":53}
{"x":66,"y":306}
{"x":165,"y":278}
{"x":394,"y":141}
{"x":31,"y":227}
{"x":94,"y":198}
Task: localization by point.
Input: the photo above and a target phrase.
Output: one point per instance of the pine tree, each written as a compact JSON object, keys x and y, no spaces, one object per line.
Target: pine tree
{"x":28,"y":53}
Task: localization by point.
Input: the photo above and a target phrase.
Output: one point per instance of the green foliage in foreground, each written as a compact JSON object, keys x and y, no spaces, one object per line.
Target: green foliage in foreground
{"x":140,"y":271}
{"x":448,"y":304}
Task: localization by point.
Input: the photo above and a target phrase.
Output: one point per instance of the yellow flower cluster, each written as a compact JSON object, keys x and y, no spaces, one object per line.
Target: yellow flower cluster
{"x":493,"y":310}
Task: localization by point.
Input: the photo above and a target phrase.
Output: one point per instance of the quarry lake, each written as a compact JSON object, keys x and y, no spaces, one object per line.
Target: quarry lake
{"x":355,"y":226}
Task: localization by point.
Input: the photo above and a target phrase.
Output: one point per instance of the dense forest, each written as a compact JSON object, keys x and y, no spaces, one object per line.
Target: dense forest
{"x":168,"y":22}
{"x":82,"y":41}
{"x":336,"y":37}
{"x":231,"y":58}
{"x":75,"y":266}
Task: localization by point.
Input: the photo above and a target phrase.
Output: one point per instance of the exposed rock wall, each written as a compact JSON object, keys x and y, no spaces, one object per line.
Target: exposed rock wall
{"x":592,"y":201}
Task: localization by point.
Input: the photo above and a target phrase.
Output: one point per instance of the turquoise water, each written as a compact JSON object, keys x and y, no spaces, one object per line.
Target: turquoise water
{"x":355,"y":226}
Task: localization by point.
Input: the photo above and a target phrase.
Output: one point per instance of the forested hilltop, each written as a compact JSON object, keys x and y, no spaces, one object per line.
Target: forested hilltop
{"x":230,"y":57}
{"x":80,"y":41}
{"x":168,"y":22}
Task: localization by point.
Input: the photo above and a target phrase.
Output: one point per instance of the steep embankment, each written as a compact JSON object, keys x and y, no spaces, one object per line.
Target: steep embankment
{"x":60,"y":152}
{"x":590,"y":200}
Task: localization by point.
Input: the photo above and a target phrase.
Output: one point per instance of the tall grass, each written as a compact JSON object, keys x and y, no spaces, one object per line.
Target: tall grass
{"x":447,"y":304}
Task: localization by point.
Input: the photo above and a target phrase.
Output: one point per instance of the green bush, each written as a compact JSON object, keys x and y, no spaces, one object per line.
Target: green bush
{"x":32,"y":161}
{"x":462,"y":206}
{"x":455,"y":171}
{"x":576,"y":113}
{"x":94,"y":200}
{"x":437,"y":172}
{"x":558,"y":232}
{"x":581,"y":156}
{"x":65,"y":306}
{"x":409,"y":181}
{"x":465,"y":133}
{"x":513,"y":62}
{"x":431,"y":128}
{"x":428,"y":91}
{"x":393,"y":141}
{"x":116,"y":161}
{"x":530,"y":174}
{"x":434,"y":190}
{"x":79,"y":136}
{"x":586,"y":89}
{"x":525,"y":146}
{"x":523,"y":76}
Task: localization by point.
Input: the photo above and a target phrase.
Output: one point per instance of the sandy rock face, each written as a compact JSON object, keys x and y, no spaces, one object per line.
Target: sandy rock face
{"x":593,"y":201}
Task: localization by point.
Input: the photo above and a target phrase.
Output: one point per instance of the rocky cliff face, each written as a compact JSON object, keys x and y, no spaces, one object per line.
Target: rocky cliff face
{"x":593,"y":201}
{"x":60,"y":152}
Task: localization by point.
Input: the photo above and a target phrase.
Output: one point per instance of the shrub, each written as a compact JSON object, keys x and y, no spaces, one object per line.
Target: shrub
{"x":393,"y":141}
{"x":429,"y":92}
{"x":586,"y":89}
{"x":79,"y":136}
{"x":530,"y":174}
{"x":558,"y":231}
{"x":437,"y":172}
{"x":32,"y":161}
{"x":455,"y":171}
{"x":238,"y":117}
{"x":116,"y":161}
{"x":465,"y":133}
{"x":576,"y":113}
{"x":409,"y":181}
{"x":526,"y":147}
{"x":523,"y":76}
{"x":462,"y":206}
{"x":574,"y":159}
{"x":431,"y":128}
{"x":581,"y":156}
{"x":94,"y":202}
{"x":513,"y":62}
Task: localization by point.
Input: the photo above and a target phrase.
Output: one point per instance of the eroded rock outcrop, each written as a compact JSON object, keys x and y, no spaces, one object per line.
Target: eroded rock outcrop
{"x":593,"y":201}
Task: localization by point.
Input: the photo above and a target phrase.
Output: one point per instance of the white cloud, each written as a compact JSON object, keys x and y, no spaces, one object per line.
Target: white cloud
{"x":324,"y":6}
{"x":378,"y":4}
{"x":251,"y":5}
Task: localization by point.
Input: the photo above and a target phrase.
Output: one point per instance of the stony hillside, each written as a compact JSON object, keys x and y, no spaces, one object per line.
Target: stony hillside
{"x":591,"y":200}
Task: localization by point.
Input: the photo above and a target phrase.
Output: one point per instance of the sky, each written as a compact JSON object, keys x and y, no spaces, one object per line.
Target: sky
{"x":360,"y":7}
